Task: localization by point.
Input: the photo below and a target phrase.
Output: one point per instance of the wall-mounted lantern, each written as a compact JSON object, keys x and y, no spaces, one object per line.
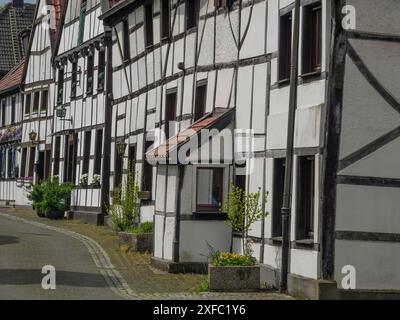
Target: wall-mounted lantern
{"x":33,"y":136}
{"x":121,"y":148}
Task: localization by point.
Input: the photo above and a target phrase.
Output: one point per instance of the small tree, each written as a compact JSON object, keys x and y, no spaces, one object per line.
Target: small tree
{"x":243,"y":210}
{"x":124,"y":210}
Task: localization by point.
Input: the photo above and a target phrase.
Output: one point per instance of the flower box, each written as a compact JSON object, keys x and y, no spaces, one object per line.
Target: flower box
{"x":234,"y":278}
{"x":141,"y":242}
{"x":144,"y":195}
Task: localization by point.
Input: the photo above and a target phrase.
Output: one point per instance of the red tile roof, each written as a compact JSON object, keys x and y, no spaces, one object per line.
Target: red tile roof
{"x":13,"y":77}
{"x":207,"y":122}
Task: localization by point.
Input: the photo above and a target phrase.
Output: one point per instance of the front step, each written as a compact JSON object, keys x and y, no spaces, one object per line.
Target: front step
{"x":89,"y":217}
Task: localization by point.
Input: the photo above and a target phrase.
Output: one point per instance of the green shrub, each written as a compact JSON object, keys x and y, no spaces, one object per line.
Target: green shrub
{"x":55,"y":196}
{"x":204,"y":286}
{"x":124,"y":210}
{"x":145,"y":227}
{"x":36,"y":196}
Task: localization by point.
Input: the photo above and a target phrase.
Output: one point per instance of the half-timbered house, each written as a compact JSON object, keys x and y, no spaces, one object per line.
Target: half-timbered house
{"x":80,"y":104}
{"x":11,"y":100}
{"x":227,"y":65}
{"x":39,"y":92}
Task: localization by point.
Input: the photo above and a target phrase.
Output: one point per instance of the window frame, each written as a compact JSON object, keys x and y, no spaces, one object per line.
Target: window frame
{"x":165,"y":23}
{"x":192,"y":20}
{"x":285,"y":47}
{"x":305,"y":228}
{"x":86,"y":152}
{"x":203,"y":208}
{"x":278,"y":185}
{"x":148,"y":25}
{"x":201,"y":86}
{"x":311,"y":54}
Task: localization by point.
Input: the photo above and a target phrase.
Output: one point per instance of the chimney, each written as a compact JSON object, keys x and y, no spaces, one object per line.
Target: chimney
{"x":18,"y":3}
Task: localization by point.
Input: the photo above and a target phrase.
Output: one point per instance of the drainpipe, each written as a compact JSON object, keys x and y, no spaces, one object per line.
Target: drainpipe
{"x":175,"y":254}
{"x":287,"y":194}
{"x":105,"y":183}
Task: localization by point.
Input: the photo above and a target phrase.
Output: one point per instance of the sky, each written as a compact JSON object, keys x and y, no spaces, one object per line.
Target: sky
{"x":2,"y":2}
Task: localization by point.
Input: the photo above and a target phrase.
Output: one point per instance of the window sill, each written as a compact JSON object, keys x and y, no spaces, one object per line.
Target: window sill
{"x":212,"y":215}
{"x":305,"y":244}
{"x":283,"y":82}
{"x":311,"y":76}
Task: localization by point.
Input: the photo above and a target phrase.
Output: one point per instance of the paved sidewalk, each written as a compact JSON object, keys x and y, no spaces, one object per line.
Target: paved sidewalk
{"x":89,"y":264}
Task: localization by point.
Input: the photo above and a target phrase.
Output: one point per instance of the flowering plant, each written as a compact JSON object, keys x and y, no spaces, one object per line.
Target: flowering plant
{"x":84,"y":179}
{"x":10,"y":134}
{"x":96,"y":179}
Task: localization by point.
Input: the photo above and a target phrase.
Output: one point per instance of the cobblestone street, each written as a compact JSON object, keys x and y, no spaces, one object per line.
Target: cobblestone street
{"x":88,"y":263}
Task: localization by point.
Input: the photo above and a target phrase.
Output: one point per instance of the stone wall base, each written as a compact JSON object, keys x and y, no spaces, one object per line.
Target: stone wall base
{"x":319,"y":289}
{"x":96,"y":218}
{"x":179,"y":267}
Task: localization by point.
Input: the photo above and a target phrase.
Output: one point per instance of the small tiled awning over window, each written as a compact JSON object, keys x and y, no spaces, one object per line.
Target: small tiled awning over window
{"x":218,"y":119}
{"x":13,"y":78}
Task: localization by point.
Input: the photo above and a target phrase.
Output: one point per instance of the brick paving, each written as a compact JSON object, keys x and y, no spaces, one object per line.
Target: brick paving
{"x":89,"y":265}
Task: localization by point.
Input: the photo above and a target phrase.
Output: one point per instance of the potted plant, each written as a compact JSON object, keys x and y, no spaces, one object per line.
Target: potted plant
{"x":234,"y":271}
{"x":125,"y":218}
{"x":96,"y":180}
{"x":83,"y":181}
{"x":36,"y":196}
{"x":55,"y":198}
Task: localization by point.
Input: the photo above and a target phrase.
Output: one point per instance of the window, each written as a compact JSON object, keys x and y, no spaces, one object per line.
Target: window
{"x":170,"y":114}
{"x":90,"y":70}
{"x":148,"y":24}
{"x":28,"y":104}
{"x":305,"y":198}
{"x":23,"y":162}
{"x":125,"y":34}
{"x":118,"y":165}
{"x":102,"y":69}
{"x":285,"y":46}
{"x":147,"y":182}
{"x":3,"y":113}
{"x":82,"y":16}
{"x":45,"y":100}
{"x":240,"y":177}
{"x":86,"y":152}
{"x":57,"y":151}
{"x":13,"y":107}
{"x":2,"y":162}
{"x":11,"y":163}
{"x":36,"y":98}
{"x":74,"y":79}
{"x":200,"y":103}
{"x":192,"y":13}
{"x":277,"y":196}
{"x":165,"y":19}
{"x":47,"y":164}
{"x":132,"y":158}
{"x":60,"y":92}
{"x":312,"y":33}
{"x":31,"y":161}
{"x":209,"y":189}
{"x":98,"y":151}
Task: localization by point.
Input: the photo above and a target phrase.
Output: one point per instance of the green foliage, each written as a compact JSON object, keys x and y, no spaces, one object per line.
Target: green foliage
{"x":53,"y":195}
{"x":232,"y":259}
{"x":243,"y":210}
{"x":204,"y":286}
{"x":124,"y":210}
{"x":36,"y":195}
{"x":224,"y":259}
{"x":145,"y":227}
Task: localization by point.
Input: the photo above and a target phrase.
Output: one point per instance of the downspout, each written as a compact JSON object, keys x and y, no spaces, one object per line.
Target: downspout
{"x":105,"y":185}
{"x":287,"y":194}
{"x":175,"y":252}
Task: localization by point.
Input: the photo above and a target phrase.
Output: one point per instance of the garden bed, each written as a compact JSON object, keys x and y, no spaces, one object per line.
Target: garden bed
{"x":141,"y":242}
